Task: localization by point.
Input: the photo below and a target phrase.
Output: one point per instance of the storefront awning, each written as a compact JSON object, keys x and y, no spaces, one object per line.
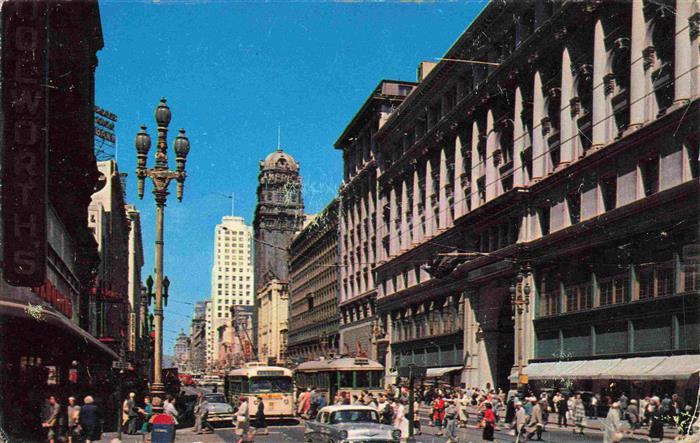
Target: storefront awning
{"x":439,"y":372}
{"x":48,"y":315}
{"x":637,"y":368}
{"x":548,"y":370}
{"x":675,"y":367}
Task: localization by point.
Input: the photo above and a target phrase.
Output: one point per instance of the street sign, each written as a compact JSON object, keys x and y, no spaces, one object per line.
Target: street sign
{"x":523,"y":379}
{"x":415,"y":371}
{"x":119,"y":364}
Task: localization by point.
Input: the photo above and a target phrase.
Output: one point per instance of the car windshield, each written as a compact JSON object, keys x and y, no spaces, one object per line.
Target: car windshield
{"x":270,"y":384}
{"x":216,"y":398}
{"x":359,"y":416}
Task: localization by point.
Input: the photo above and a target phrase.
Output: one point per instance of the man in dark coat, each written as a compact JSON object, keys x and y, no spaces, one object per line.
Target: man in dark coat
{"x":91,"y":420}
{"x":562,"y":409}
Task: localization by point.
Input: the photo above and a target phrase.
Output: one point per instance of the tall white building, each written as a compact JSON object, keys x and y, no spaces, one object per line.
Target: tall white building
{"x":231,"y":278}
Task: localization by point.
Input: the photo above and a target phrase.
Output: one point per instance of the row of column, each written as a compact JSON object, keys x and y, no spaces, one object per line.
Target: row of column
{"x":356,"y":214}
{"x":405,"y":229}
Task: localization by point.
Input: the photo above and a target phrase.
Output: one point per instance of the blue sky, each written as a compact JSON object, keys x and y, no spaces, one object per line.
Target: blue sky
{"x":233,"y":71}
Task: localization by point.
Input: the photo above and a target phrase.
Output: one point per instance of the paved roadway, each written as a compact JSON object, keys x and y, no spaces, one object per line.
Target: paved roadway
{"x":294,"y":433}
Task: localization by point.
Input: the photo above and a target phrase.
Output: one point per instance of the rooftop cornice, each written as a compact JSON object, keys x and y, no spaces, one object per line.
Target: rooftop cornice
{"x":362,"y":113}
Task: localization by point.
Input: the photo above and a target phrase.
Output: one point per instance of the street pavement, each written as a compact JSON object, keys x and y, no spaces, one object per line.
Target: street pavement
{"x":290,"y":432}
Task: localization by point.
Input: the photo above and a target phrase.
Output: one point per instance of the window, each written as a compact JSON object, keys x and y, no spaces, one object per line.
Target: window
{"x":658,"y":280}
{"x":649,"y":170}
{"x":608,"y":189}
{"x":574,"y":203}
{"x":613,"y":290}
{"x":691,"y":277}
{"x":550,"y":300}
{"x":579,"y":297}
{"x":543,"y":214}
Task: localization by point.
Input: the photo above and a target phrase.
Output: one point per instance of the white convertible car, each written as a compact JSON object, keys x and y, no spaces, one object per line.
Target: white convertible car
{"x":349,"y":424}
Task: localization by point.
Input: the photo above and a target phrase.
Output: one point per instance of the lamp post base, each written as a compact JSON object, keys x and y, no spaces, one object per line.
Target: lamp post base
{"x":157,"y":391}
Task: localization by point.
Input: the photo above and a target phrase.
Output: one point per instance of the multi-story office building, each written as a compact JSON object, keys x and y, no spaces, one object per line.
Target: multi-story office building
{"x":358,"y":213}
{"x":231,"y":276}
{"x":273,"y":322}
{"x":182,"y":352}
{"x":565,"y":168}
{"x":313,"y":310}
{"x":111,"y":306}
{"x":138,"y":336}
{"x":209,"y":350}
{"x":198,"y":343}
{"x":279,"y":215}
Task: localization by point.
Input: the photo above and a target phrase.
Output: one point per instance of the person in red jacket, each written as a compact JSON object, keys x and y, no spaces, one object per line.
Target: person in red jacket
{"x":439,"y":414}
{"x":489,"y":422}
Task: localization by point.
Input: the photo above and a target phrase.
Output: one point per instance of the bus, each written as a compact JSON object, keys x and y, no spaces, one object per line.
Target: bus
{"x":346,"y":374}
{"x":273,"y":384}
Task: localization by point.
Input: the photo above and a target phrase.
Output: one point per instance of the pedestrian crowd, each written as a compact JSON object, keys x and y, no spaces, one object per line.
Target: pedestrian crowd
{"x":73,"y":423}
{"x":524,"y":417}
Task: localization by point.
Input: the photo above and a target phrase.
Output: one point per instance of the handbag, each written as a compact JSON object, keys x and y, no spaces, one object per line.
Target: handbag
{"x":617,"y":436}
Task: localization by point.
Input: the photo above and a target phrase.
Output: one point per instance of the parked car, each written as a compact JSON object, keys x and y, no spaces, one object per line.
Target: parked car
{"x":348,"y":424}
{"x":219,"y":409}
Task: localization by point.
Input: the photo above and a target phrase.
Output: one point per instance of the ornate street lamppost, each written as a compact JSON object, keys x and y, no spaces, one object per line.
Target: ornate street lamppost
{"x":520,"y":303}
{"x":161,"y":177}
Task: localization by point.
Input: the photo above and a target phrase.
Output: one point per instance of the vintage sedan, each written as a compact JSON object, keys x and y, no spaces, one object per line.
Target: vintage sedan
{"x":349,"y":424}
{"x":219,"y":409}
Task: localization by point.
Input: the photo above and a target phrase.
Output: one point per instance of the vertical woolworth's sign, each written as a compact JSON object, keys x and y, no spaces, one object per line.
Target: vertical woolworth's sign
{"x":25,"y":140}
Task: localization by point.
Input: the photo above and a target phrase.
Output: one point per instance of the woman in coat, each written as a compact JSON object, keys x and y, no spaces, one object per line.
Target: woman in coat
{"x":260,"y":425}
{"x":656,"y":421}
{"x":243,"y":421}
{"x":91,"y":420}
{"x":579,"y":414}
{"x":613,"y":424}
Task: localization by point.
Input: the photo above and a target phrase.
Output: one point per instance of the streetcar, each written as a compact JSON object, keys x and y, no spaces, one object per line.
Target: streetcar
{"x":346,"y":374}
{"x":273,"y":384}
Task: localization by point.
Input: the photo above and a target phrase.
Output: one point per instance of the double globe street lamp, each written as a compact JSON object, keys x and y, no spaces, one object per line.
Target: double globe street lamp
{"x":161,"y":177}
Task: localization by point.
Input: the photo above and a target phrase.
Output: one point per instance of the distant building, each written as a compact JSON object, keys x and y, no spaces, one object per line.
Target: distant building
{"x":273,"y":321}
{"x":138,"y":343}
{"x":313,"y":315}
{"x":279,"y":214}
{"x":198,"y":343}
{"x":231,"y":277}
{"x":182,"y":352}
{"x":114,"y":284}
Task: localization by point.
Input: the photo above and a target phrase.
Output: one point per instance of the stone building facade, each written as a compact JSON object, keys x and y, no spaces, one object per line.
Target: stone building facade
{"x":279,"y":214}
{"x":571,"y":158}
{"x":272,"y":306}
{"x":358,"y":211}
{"x":313,"y":293}
{"x":198,"y":342}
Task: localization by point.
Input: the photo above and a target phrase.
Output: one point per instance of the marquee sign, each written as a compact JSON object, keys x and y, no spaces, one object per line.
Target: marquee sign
{"x":25,"y":138}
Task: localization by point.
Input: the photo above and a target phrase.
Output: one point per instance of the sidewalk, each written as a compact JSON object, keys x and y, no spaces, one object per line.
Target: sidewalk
{"x":590,"y":424}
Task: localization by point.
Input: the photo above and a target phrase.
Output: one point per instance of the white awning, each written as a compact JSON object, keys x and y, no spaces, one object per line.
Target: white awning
{"x":548,"y":370}
{"x":439,"y":372}
{"x":637,"y":368}
{"x":677,"y":367}
{"x":593,"y":369}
